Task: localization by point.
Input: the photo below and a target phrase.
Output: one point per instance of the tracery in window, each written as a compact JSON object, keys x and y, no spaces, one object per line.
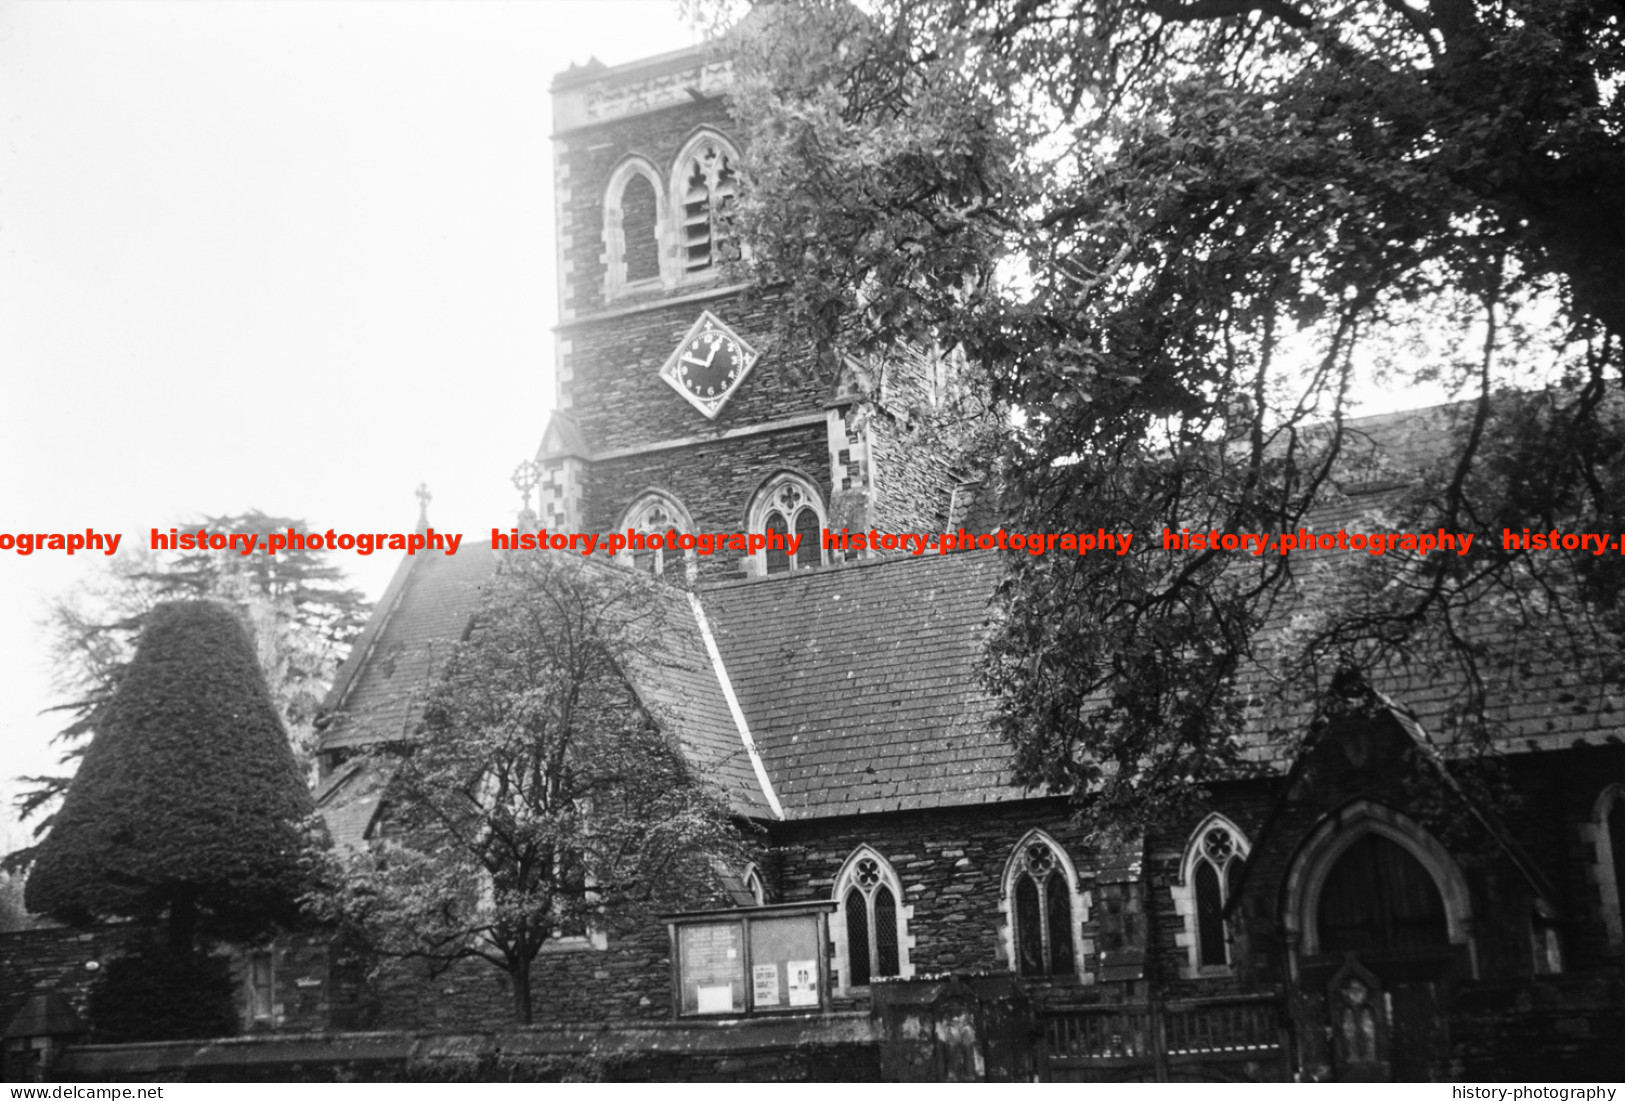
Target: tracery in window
{"x":787,"y":510}
{"x":1212,"y":866}
{"x":870,"y":927}
{"x":654,"y":520}
{"x":1040,"y":893}
{"x":704,"y":184}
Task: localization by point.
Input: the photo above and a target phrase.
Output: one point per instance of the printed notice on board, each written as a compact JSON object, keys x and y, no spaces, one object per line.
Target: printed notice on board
{"x":715,"y":999}
{"x":803,"y":982}
{"x":765,"y":984}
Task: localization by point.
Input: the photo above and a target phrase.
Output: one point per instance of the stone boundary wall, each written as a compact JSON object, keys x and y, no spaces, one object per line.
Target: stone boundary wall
{"x":838,"y":1047}
{"x":54,"y":960}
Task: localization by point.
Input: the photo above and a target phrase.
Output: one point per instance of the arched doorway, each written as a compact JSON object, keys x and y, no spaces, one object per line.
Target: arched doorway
{"x":1379,"y":897}
{"x":1371,"y":893}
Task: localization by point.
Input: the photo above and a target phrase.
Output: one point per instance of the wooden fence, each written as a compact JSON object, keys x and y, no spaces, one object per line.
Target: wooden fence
{"x":1242,"y":1038}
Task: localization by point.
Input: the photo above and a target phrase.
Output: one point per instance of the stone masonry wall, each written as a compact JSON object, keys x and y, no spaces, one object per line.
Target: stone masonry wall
{"x":619,"y":399}
{"x":832,"y":1048}
{"x":629,"y":979}
{"x":951,"y":866}
{"x":610,"y":364}
{"x":716,"y":482}
{"x":43,"y":961}
{"x":914,"y":478}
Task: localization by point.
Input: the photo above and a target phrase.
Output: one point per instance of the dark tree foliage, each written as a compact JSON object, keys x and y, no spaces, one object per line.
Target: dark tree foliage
{"x":540,"y":796}
{"x":300,"y":613}
{"x":1175,"y":238}
{"x":158,"y":993}
{"x":188,"y":805}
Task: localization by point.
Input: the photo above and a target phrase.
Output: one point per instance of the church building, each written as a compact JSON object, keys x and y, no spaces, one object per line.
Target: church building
{"x":1315,"y":921}
{"x":1310,"y":924}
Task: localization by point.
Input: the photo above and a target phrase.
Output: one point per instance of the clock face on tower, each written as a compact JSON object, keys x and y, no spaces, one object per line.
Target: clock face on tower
{"x":709,"y":364}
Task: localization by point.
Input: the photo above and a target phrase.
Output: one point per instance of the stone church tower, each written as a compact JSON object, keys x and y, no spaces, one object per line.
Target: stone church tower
{"x":676,"y":408}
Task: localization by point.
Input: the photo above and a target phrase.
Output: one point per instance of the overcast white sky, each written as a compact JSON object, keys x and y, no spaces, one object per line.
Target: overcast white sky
{"x":287,"y":256}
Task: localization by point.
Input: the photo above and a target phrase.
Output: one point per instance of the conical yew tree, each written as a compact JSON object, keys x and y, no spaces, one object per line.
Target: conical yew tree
{"x":188,"y":805}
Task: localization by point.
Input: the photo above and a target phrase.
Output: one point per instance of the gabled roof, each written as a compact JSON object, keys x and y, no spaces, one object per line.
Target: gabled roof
{"x":860,"y":683}
{"x":45,"y":1015}
{"x":382,"y":686}
{"x":857,"y":685}
{"x":349,"y":800}
{"x":429,"y":609}
{"x":562,"y":437}
{"x":856,"y":689}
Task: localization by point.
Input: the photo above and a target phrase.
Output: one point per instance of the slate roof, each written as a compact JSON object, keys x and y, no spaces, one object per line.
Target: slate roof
{"x":427,"y":609}
{"x":860,"y":684}
{"x":1536,"y":701}
{"x":562,"y":437}
{"x":677,"y":682}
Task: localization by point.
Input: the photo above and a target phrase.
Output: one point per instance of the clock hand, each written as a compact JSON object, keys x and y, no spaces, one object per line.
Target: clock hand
{"x":696,"y":361}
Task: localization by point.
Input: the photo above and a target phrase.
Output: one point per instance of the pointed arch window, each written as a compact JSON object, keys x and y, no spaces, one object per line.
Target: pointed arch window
{"x":871,"y":923}
{"x":640,"y":224}
{"x":788,"y":511}
{"x":1214,"y":856}
{"x":704,"y":184}
{"x":754,"y":885}
{"x":654,"y":521}
{"x":1607,"y":836}
{"x":633,"y":218}
{"x":1045,"y":909}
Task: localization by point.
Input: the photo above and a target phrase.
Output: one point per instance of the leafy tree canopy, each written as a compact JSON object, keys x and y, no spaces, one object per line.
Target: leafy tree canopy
{"x":300,"y":614}
{"x":1175,"y":237}
{"x":188,"y":805}
{"x":539,"y":798}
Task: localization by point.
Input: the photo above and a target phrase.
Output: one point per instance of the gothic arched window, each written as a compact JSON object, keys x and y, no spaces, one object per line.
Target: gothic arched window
{"x":633,"y":218}
{"x":788,"y":507}
{"x":754,"y":885}
{"x":655,"y":519}
{"x":1607,"y":836}
{"x":703,"y":186}
{"x":870,"y":928}
{"x":1040,"y":889}
{"x":640,"y":225}
{"x":1208,"y":875}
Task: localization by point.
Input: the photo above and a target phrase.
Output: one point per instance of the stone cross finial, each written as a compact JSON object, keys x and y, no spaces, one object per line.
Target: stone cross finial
{"x":526,"y":477}
{"x":424,"y":497}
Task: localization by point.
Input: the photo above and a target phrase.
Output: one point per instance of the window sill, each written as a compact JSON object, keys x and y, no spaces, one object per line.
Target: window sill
{"x":643,"y":288}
